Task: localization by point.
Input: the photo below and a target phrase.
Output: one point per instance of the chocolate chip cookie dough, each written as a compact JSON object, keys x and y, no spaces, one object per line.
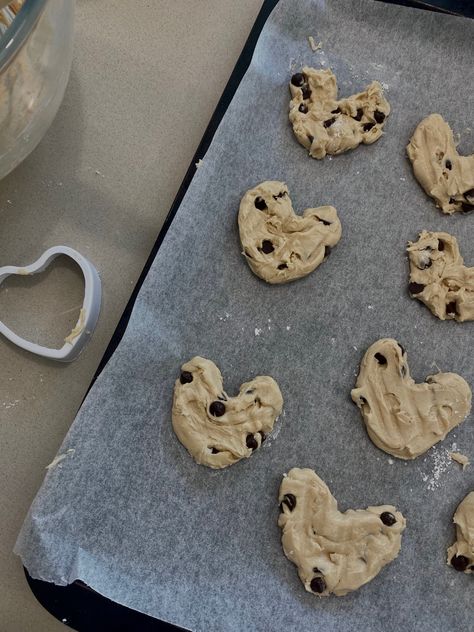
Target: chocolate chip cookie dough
{"x":446,"y":176}
{"x":335,"y":552}
{"x":439,"y":278}
{"x":325,"y":125}
{"x":403,"y":418}
{"x":218,"y":430}
{"x":279,"y":245}
{"x":461,"y":553}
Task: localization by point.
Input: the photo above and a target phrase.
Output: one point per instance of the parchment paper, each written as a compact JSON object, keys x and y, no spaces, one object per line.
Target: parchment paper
{"x":129,"y":512}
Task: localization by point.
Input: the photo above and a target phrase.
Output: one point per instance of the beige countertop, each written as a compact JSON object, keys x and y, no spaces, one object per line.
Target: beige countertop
{"x":143,"y":86}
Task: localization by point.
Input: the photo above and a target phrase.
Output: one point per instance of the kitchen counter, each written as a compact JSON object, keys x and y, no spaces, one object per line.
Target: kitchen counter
{"x":143,"y":86}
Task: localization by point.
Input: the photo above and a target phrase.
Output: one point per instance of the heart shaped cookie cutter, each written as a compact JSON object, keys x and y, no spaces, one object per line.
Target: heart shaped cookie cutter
{"x":82,"y":332}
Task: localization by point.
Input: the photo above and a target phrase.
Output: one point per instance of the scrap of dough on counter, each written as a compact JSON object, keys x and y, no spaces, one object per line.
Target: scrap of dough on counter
{"x":335,"y":552}
{"x":325,"y":125}
{"x":403,"y":418}
{"x":439,"y":278}
{"x":461,"y":553}
{"x":279,"y":245}
{"x":218,"y":430}
{"x":445,"y":176}
{"x":462,"y":459}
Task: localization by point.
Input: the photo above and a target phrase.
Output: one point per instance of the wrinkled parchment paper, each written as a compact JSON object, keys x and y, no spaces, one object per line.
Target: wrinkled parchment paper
{"x":129,"y":512}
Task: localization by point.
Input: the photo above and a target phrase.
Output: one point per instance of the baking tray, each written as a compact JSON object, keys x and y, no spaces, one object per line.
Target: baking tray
{"x":82,"y":608}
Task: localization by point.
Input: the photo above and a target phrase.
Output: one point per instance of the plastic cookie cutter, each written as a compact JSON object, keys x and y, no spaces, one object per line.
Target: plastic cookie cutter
{"x":82,"y":332}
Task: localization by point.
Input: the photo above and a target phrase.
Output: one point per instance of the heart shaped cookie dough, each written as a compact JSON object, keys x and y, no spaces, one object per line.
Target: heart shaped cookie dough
{"x":461,"y":553}
{"x":403,"y":418}
{"x":325,"y":125}
{"x":445,"y":176}
{"x":218,"y":430}
{"x":439,"y":278}
{"x":279,"y":245}
{"x":335,"y":552}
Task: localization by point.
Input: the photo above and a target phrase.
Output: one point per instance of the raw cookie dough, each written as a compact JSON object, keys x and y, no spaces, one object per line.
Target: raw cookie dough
{"x":335,"y":552}
{"x":461,"y":553}
{"x":446,"y":176}
{"x":462,"y":459}
{"x":403,"y":418}
{"x":218,"y":430}
{"x":279,"y":245}
{"x":325,"y":125}
{"x":439,"y":278}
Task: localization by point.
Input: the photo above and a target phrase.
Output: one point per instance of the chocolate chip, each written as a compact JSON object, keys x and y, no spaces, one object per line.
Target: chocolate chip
{"x":467,"y":208}
{"x":289,"y":500}
{"x":459,"y":562}
{"x":186,"y":377}
{"x":451,"y":308}
{"x":329,"y":122}
{"x":425,"y":264}
{"x":448,"y":164}
{"x":251,"y":442}
{"x":303,"y":108}
{"x":214,"y":451}
{"x":327,"y":251}
{"x":368,"y":126}
{"x":263,"y":435}
{"x":260,"y":203}
{"x":415,"y":288}
{"x":217,"y":409}
{"x":318,"y":585}
{"x":306,"y":91}
{"x":388,"y":518}
{"x":310,"y":138}
{"x":267,"y":247}
{"x":379,"y":116}
{"x":359,"y":115}
{"x":298,"y":79}
{"x":469,"y":195}
{"x":282,"y":266}
{"x":381,"y":359}
{"x":336,"y":111}
{"x":440,"y":245}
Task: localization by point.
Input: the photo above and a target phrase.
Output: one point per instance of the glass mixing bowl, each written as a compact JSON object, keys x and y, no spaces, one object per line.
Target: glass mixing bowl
{"x":35,"y":60}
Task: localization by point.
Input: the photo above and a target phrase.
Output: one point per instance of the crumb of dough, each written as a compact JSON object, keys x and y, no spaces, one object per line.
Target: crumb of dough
{"x":78,"y":329}
{"x":313,"y":45}
{"x":198,"y":163}
{"x":462,"y":459}
{"x":58,"y":458}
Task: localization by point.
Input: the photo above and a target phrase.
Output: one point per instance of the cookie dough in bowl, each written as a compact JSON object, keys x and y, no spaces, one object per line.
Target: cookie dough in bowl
{"x":279,"y":245}
{"x":403,"y":418}
{"x":325,"y":125}
{"x":439,"y":278}
{"x":445,"y":176}
{"x":218,"y":430}
{"x":335,"y":552}
{"x":461,"y":553}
